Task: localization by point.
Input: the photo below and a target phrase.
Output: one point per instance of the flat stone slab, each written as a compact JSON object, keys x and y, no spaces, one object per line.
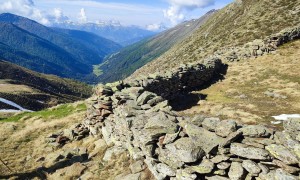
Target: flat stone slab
{"x":207,"y":140}
{"x":249,"y":152}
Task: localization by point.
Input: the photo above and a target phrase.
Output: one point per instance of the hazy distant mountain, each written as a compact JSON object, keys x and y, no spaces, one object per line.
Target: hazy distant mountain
{"x":65,"y":53}
{"x":130,"y":58}
{"x":124,"y":35}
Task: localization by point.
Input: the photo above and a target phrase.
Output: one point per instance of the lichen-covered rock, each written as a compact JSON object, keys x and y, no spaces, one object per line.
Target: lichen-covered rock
{"x":287,"y":168}
{"x":236,"y":171}
{"x":186,"y":150}
{"x":282,"y":153}
{"x":210,"y":123}
{"x":223,"y":165}
{"x":182,"y":174}
{"x":138,"y":166}
{"x":249,"y":152}
{"x":145,"y":97}
{"x":292,"y":126}
{"x":251,"y":167}
{"x":256,"y":131}
{"x":281,"y":174}
{"x":224,"y":128}
{"x":219,"y":158}
{"x":113,"y":151}
{"x":165,"y":170}
{"x":207,"y":140}
{"x":231,"y":138}
{"x":205,"y":167}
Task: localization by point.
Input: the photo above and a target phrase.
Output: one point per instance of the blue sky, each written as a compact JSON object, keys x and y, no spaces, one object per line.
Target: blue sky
{"x":147,"y":13}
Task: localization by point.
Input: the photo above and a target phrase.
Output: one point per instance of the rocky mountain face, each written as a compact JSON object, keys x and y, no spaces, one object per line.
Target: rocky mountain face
{"x":124,"y":35}
{"x":233,"y":26}
{"x":42,"y":49}
{"x":124,"y":62}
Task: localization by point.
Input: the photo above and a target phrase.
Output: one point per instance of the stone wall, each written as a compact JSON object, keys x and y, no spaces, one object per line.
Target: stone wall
{"x":258,"y":47}
{"x":135,"y":116}
{"x":183,"y":79}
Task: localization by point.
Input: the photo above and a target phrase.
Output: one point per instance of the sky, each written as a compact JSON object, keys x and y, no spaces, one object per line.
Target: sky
{"x":149,"y":14}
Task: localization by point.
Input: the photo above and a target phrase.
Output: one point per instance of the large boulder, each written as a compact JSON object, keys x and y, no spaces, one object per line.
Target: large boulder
{"x":256,"y":131}
{"x":207,"y":140}
{"x":186,"y":150}
{"x":249,"y":152}
{"x":210,"y":123}
{"x":224,"y":128}
{"x":282,"y":153}
{"x":292,"y":126}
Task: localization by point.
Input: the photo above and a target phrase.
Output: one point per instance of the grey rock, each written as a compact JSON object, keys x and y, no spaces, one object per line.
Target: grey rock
{"x":224,"y":128}
{"x":197,"y":120}
{"x":223,"y":165}
{"x":210,"y":123}
{"x":282,"y":153}
{"x":231,"y":138}
{"x":170,"y":138}
{"x":182,"y":174}
{"x":216,"y":178}
{"x":145,"y":97}
{"x":165,"y":170}
{"x":186,"y":150}
{"x":137,"y":166}
{"x":249,"y":152}
{"x":219,"y":158}
{"x":251,"y":167}
{"x":131,"y":177}
{"x":236,"y":171}
{"x":207,"y":140}
{"x":281,"y":174}
{"x":113,"y":151}
{"x":151,"y":164}
{"x":264,"y":168}
{"x":205,"y":167}
{"x":287,"y":168}
{"x":256,"y":131}
{"x":170,"y":159}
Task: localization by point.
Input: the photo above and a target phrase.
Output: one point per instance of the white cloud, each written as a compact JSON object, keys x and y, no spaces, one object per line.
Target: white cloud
{"x":82,"y":16}
{"x":177,"y":8}
{"x":156,"y":27}
{"x":24,"y":8}
{"x":59,"y":15}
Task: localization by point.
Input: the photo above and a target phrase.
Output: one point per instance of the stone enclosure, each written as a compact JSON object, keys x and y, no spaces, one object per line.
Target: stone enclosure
{"x":135,"y":116}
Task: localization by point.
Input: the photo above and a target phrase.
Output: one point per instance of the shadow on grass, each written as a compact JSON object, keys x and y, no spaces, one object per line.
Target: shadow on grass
{"x":42,"y":172}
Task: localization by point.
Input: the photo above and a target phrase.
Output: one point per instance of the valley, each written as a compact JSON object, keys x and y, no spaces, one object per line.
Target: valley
{"x":213,"y":98}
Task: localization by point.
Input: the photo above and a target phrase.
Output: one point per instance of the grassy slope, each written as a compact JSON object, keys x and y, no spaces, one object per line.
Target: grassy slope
{"x":236,"y":24}
{"x":27,"y":87}
{"x":127,"y":60}
{"x":251,"y":79}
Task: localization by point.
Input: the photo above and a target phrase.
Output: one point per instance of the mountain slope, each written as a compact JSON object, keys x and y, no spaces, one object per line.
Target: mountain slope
{"x":236,"y":24}
{"x":36,"y":91}
{"x":115,"y":32}
{"x":50,"y":51}
{"x":130,"y":58}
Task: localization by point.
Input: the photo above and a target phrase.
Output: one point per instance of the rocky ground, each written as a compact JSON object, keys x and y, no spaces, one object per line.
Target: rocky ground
{"x":130,"y":131}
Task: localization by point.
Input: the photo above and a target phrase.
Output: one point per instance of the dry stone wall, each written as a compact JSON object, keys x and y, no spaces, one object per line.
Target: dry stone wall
{"x":135,"y":116}
{"x":258,"y":47}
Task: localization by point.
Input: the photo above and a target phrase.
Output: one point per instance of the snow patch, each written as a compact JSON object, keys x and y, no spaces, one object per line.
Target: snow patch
{"x":20,"y":108}
{"x":284,"y":117}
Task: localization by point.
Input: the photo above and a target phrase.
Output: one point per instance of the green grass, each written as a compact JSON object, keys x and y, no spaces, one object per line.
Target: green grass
{"x":53,"y":113}
{"x":97,"y":70}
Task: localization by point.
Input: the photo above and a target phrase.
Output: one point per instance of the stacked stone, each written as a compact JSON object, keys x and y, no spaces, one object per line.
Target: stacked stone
{"x":259,"y":47}
{"x":178,"y":148}
{"x":100,"y":108}
{"x":180,"y":80}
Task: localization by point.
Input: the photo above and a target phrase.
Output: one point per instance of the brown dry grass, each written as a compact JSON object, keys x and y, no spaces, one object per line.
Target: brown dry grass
{"x":23,"y":142}
{"x":251,"y":78}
